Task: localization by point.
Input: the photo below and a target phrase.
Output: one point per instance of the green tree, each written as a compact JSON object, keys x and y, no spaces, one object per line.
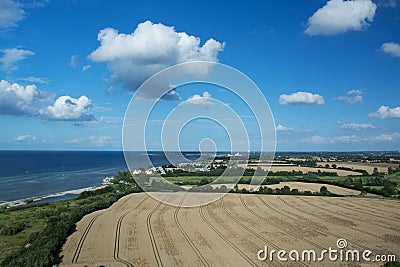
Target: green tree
{"x":323,"y":190}
{"x":269,"y":190}
{"x":203,"y":181}
{"x":285,"y":190}
{"x":389,"y":188}
{"x":359,"y":183}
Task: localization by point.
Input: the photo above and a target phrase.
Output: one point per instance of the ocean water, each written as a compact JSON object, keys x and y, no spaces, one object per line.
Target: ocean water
{"x":25,"y":174}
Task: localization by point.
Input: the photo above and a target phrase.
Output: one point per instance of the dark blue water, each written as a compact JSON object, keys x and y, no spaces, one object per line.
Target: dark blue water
{"x":25,"y":174}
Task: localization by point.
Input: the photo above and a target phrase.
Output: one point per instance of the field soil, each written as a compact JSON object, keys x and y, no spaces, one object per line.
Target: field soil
{"x":140,"y":231}
{"x":313,"y":187}
{"x":289,"y":168}
{"x":369,"y":167}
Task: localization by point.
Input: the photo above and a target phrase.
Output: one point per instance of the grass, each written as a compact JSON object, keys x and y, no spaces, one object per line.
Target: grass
{"x":377,"y":187}
{"x":33,"y":223}
{"x":395,"y":177}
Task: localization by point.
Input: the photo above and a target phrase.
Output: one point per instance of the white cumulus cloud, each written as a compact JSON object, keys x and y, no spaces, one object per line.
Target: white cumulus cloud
{"x":134,"y":57}
{"x":12,"y":56}
{"x":66,"y":108}
{"x":384,"y":112}
{"x":198,"y":100}
{"x":300,"y":98}
{"x":391,"y":48}
{"x":10,"y":13}
{"x":16,"y":99}
{"x":353,"y":96}
{"x":281,"y":128}
{"x":340,"y":16}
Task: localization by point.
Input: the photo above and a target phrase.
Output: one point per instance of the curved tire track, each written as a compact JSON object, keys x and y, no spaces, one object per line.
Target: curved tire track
{"x":357,"y":229}
{"x":327,"y":232}
{"x":152,"y":238}
{"x":118,"y":234}
{"x":286,"y":231}
{"x":87,"y":229}
{"x":241,"y":253}
{"x":248,"y":229}
{"x":184,"y":233}
{"x":82,"y":239}
{"x":370,"y":213}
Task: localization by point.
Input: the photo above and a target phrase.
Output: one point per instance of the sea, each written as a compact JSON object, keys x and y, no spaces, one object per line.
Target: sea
{"x":28,"y":174}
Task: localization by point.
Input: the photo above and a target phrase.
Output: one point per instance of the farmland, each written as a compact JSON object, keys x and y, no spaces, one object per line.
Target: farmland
{"x":139,"y":231}
{"x":369,"y":167}
{"x":315,"y":187}
{"x":308,"y":208}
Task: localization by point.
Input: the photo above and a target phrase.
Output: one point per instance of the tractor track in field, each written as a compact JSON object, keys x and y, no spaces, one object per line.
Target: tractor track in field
{"x":184,"y":233}
{"x":233,"y":246}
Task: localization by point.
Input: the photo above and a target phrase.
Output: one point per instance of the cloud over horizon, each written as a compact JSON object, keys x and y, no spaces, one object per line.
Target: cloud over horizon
{"x":97,"y":141}
{"x":134,"y":57}
{"x":198,"y":100}
{"x":17,"y":100}
{"x":281,"y":128}
{"x":339,"y":16}
{"x":24,"y":138}
{"x":66,"y":108}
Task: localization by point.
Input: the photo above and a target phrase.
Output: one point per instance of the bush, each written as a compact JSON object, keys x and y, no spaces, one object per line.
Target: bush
{"x":13,"y":229}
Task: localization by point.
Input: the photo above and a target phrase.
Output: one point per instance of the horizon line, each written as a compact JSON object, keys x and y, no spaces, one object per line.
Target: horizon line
{"x":196,"y":151}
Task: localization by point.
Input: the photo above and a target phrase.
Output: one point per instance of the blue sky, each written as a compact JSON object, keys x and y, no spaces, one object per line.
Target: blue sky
{"x":329,"y":70}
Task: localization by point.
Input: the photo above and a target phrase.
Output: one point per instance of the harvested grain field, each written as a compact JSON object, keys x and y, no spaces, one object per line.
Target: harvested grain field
{"x":313,"y":187}
{"x":139,"y":231}
{"x":369,"y":167}
{"x":301,"y":186}
{"x":289,"y":168}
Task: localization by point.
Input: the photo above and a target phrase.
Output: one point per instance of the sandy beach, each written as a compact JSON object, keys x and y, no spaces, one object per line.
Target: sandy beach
{"x":21,"y":202}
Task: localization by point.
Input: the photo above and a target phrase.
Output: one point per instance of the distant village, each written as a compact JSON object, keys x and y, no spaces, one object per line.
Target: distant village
{"x":162,"y":170}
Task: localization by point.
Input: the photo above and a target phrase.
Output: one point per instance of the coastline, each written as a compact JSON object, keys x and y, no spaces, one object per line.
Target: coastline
{"x":36,"y":199}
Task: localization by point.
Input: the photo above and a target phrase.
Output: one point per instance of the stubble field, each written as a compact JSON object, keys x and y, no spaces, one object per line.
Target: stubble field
{"x":140,"y":231}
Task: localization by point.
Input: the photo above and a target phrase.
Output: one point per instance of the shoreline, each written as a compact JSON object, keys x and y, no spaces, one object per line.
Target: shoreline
{"x":35,"y":199}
